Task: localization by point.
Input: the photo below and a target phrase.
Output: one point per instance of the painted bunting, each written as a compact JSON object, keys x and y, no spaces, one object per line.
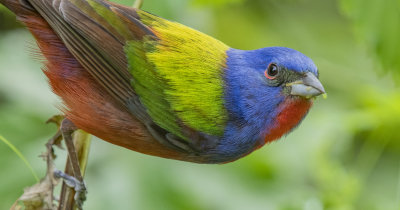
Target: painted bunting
{"x":160,"y":88}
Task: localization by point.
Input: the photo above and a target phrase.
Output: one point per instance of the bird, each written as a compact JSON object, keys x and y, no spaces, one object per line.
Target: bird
{"x":160,"y":88}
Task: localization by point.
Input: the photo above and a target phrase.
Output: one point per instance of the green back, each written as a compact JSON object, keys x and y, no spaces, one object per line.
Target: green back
{"x":179,"y":76}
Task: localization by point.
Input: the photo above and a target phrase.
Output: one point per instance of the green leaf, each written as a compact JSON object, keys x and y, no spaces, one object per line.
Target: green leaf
{"x":20,"y":155}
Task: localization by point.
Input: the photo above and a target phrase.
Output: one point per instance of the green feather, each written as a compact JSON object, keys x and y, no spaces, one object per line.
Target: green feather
{"x":111,"y":18}
{"x":179,"y":77}
{"x":147,"y":86}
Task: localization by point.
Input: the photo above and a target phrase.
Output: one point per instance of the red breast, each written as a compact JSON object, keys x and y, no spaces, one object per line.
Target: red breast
{"x":291,"y":114}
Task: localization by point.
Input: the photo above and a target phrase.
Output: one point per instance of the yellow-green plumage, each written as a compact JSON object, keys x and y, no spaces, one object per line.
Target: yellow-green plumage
{"x":182,"y":81}
{"x":177,"y":72}
{"x":160,"y":88}
{"x":146,"y":84}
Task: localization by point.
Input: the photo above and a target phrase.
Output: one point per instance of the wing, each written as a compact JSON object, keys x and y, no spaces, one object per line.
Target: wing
{"x":179,"y":77}
{"x":169,"y":76}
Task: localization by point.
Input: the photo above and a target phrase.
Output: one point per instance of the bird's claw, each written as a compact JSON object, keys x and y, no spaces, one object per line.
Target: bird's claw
{"x":78,"y":186}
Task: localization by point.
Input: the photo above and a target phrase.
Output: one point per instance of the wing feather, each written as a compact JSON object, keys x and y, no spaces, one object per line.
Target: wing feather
{"x":96,"y":44}
{"x":168,"y":75}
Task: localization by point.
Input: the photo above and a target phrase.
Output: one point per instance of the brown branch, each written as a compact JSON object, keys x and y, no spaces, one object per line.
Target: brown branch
{"x":82,"y":142}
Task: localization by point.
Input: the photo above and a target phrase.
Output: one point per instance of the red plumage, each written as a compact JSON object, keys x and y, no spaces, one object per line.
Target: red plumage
{"x":87,"y":104}
{"x":87,"y":67}
{"x":293,"y":111}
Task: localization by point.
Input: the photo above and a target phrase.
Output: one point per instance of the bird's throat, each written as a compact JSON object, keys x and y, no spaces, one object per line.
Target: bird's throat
{"x":292,"y":111}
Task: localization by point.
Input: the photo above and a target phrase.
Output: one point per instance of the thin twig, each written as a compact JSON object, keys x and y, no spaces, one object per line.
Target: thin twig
{"x":49,"y":162}
{"x":82,"y":145}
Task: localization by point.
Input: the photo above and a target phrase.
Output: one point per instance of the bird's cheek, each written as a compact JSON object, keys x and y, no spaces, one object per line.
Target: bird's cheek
{"x":286,"y":90}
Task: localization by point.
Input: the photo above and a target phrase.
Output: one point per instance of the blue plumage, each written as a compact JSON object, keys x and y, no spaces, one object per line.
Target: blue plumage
{"x":251,"y":102}
{"x":164,"y":89}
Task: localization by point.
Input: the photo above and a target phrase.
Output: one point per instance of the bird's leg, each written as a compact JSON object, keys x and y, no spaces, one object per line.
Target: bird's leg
{"x":78,"y":186}
{"x":75,"y":181}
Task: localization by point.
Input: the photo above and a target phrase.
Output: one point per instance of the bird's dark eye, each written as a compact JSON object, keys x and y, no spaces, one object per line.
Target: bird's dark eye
{"x":272,"y":71}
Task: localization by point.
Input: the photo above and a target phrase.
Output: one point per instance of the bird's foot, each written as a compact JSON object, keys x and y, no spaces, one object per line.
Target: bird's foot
{"x":74,"y":183}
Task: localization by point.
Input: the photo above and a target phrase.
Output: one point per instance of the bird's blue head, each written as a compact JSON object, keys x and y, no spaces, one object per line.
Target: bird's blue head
{"x":260,"y":83}
{"x":267,"y":93}
{"x":286,"y":69}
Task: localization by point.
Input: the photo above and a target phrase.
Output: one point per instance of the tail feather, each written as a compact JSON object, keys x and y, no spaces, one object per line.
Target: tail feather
{"x":86,"y":103}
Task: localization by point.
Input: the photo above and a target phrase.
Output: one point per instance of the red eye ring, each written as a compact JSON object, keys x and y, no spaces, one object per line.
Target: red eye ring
{"x":272,"y":71}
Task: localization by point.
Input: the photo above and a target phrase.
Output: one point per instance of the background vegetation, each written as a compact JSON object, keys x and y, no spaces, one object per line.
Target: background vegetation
{"x":345,"y":155}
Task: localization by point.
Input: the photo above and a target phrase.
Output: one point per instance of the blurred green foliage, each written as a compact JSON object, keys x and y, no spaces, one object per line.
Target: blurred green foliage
{"x":7,"y":20}
{"x":345,"y":155}
{"x":216,"y":3}
{"x":377,"y":24}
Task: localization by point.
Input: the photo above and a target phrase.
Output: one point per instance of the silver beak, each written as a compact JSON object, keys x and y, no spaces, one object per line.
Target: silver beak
{"x":308,"y":87}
